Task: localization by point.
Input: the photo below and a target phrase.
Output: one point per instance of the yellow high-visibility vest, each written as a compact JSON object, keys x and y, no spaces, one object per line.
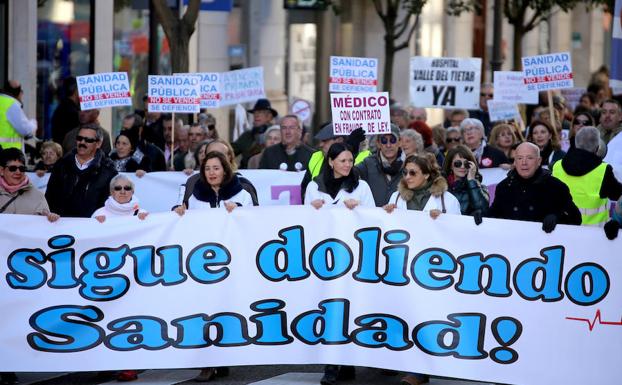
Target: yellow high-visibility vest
{"x":317,"y":158}
{"x":585,"y":191}
{"x":9,"y":137}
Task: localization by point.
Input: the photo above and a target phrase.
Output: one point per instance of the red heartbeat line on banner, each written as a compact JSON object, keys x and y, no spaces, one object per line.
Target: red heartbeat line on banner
{"x":592,"y":323}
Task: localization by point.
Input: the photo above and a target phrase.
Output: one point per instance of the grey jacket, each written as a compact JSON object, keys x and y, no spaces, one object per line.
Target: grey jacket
{"x":382,"y":181}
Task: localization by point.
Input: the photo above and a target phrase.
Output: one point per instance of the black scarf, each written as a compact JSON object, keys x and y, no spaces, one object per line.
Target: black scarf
{"x":204,"y":192}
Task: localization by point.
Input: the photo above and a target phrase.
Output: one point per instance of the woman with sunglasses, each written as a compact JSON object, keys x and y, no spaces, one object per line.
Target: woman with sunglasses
{"x":543,"y":135}
{"x":465,"y":182}
{"x":423,"y":188}
{"x":121,"y":201}
{"x":17,"y":194}
{"x":338,"y":184}
{"x":582,"y":118}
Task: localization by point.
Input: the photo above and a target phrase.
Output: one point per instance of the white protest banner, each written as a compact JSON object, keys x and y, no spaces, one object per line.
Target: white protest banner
{"x":175,"y":94}
{"x":501,"y":110}
{"x":159,"y":191}
{"x":210,"y":88}
{"x":353,"y":74}
{"x":333,"y":286}
{"x":548,"y":72}
{"x":445,"y":82}
{"x":510,"y":87}
{"x":240,"y":86}
{"x":573,"y":96}
{"x":367,"y":110}
{"x":104,"y":90}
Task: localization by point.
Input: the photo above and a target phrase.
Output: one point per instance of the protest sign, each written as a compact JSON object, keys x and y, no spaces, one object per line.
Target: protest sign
{"x":510,"y":87}
{"x":353,"y":74}
{"x":104,"y":90}
{"x":240,"y":86}
{"x":445,"y":82}
{"x":548,"y":72}
{"x":210,"y":88}
{"x":615,"y":77}
{"x":501,"y":110}
{"x":573,"y":96}
{"x":174,"y":94}
{"x":369,"y":111}
{"x":353,"y":287}
{"x":302,"y":109}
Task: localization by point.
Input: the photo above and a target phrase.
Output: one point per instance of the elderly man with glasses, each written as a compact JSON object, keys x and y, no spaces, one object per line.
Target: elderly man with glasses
{"x":80,"y":181}
{"x":381,"y":170}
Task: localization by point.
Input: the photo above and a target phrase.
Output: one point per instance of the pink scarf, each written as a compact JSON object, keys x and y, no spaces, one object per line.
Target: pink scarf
{"x":12,"y":189}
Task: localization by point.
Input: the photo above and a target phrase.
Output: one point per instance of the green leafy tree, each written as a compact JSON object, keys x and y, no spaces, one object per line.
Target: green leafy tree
{"x":517,"y":14}
{"x":178,"y":31}
{"x":396,"y":18}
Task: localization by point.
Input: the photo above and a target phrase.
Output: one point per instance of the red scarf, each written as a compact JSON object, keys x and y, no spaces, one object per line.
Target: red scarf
{"x":14,"y":188}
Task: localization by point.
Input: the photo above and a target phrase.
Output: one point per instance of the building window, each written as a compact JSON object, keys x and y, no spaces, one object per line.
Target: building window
{"x":64,"y":48}
{"x":135,"y":53}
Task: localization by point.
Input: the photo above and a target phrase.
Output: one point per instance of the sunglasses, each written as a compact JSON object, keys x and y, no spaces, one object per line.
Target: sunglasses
{"x":14,"y":168}
{"x":85,"y":139}
{"x":385,"y":140}
{"x":485,"y":94}
{"x":461,"y":163}
{"x":119,"y":188}
{"x":582,"y":122}
{"x":449,"y":140}
{"x":409,"y":172}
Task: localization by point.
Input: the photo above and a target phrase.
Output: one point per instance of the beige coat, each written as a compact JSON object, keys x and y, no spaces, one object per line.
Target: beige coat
{"x":31,"y":201}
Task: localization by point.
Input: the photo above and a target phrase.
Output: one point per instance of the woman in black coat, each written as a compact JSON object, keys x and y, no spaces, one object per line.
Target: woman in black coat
{"x":124,"y":155}
{"x":465,"y":182}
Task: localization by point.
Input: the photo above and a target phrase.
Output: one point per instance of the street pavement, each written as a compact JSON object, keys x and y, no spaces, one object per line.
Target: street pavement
{"x":241,"y":375}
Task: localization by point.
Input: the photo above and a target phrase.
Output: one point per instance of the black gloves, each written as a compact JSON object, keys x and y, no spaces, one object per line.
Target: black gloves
{"x":611,"y":229}
{"x":477,"y":217}
{"x":549,"y":222}
{"x":354,"y":140}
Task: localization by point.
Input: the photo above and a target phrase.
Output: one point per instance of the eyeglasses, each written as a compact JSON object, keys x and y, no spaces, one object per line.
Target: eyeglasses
{"x":461,"y":163}
{"x":582,"y":122}
{"x":85,"y":139}
{"x":449,"y":140}
{"x":485,"y":94}
{"x":14,"y":168}
{"x":409,"y":172}
{"x":119,"y":188}
{"x":385,"y":140}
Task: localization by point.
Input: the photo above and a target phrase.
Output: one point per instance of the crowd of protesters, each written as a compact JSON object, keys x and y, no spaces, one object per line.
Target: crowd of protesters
{"x":555,"y":171}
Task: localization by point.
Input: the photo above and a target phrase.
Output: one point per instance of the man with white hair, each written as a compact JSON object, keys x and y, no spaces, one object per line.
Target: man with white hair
{"x":531,"y":193}
{"x":473,"y":135}
{"x":590,"y":180}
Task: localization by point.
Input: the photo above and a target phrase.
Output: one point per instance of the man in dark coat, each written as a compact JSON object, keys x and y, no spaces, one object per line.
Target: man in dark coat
{"x":291,"y":154}
{"x":531,"y":193}
{"x":80,"y":181}
{"x":248,"y":143}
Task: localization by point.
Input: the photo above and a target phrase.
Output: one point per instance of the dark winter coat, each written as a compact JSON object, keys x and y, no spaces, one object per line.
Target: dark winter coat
{"x":375,"y":174}
{"x":275,"y":155}
{"x":534,"y":198}
{"x":471,"y":195}
{"x":78,"y":193}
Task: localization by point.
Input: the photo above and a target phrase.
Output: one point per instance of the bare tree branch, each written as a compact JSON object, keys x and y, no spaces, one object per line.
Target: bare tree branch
{"x":405,"y":43}
{"x":167,"y":19}
{"x":191,"y":15}
{"x":379,"y":11}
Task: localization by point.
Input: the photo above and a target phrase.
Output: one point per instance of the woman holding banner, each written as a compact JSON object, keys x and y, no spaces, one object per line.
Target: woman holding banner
{"x":121,"y":202}
{"x":217,"y":187}
{"x":338,"y":184}
{"x":423,"y":188}
{"x":465,"y":182}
